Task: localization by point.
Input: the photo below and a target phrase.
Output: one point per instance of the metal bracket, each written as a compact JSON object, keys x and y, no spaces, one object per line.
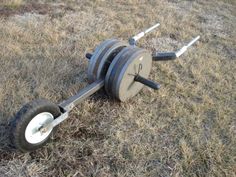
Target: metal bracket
{"x":55,"y":122}
{"x":160,"y":56}
{"x":68,"y":105}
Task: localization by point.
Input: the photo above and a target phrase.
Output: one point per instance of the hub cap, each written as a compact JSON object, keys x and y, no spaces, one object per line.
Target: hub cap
{"x":34,"y":133}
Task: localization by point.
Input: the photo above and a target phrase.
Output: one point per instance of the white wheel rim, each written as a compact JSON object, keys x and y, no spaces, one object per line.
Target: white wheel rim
{"x":33,"y":134}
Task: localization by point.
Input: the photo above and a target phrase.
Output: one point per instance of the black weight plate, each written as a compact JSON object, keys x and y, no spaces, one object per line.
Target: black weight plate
{"x":110,"y":71}
{"x":124,"y":84}
{"x":98,"y":53}
{"x":118,"y":66}
{"x":108,"y":57}
{"x":102,"y":58}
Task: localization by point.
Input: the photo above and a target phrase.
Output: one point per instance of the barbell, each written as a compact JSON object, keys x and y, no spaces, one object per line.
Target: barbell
{"x":120,"y":67}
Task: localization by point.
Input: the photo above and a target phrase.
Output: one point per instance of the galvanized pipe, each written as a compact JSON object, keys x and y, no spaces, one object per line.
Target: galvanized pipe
{"x":161,"y":56}
{"x":82,"y":95}
{"x":185,"y":48}
{"x":71,"y":102}
{"x":134,"y":39}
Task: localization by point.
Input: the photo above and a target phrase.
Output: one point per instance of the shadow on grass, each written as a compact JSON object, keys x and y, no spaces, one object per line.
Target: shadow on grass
{"x":5,"y":135}
{"x":6,"y":147}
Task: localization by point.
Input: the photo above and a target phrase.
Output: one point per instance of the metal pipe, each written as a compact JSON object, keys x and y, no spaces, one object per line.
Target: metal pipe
{"x":160,"y":56}
{"x":134,"y":39}
{"x":193,"y":41}
{"x":151,"y":28}
{"x":71,"y":102}
{"x":147,"y":82}
{"x":185,"y":48}
{"x":83,"y":94}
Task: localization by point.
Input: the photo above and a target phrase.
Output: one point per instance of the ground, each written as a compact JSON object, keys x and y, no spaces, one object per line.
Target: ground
{"x":187,"y":128}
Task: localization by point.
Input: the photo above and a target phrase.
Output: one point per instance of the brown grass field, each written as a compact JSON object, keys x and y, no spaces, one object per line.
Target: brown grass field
{"x":187,"y":128}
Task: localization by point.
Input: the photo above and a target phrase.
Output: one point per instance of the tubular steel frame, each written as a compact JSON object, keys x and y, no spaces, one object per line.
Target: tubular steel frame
{"x":67,"y":105}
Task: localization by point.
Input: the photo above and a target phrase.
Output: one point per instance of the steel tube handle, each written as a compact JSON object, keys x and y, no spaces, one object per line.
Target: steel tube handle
{"x":160,"y":56}
{"x":185,"y":48}
{"x":147,"y":82}
{"x":134,"y":39}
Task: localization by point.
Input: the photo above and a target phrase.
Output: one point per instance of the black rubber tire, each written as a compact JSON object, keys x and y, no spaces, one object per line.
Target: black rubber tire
{"x":24,"y":116}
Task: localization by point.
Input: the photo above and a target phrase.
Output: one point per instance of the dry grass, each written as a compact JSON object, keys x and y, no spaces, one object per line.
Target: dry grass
{"x":186,"y":129}
{"x":12,"y":3}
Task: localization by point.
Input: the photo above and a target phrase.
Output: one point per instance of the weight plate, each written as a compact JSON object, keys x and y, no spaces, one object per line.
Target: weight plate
{"x":118,"y":67}
{"x":139,"y":62}
{"x":93,"y":61}
{"x":111,"y":69}
{"x":108,"y":57}
{"x":102,"y":58}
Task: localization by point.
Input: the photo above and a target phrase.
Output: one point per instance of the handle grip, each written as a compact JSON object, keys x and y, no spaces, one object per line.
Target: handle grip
{"x":147,"y":82}
{"x":88,"y":56}
{"x":162,"y":56}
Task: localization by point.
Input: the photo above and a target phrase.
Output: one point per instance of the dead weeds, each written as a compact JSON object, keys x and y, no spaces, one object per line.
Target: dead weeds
{"x":187,"y":128}
{"x":32,"y":7}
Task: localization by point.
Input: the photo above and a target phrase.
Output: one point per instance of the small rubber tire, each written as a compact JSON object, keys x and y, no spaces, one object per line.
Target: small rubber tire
{"x":20,"y":122}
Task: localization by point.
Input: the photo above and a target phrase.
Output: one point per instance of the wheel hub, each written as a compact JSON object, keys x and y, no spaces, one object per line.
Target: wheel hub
{"x":35,"y":131}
